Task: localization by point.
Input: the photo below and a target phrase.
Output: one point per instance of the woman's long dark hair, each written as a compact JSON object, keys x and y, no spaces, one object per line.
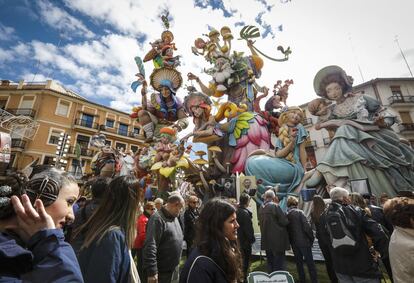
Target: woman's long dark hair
{"x":117,"y":211}
{"x":318,"y":207}
{"x":211,"y":241}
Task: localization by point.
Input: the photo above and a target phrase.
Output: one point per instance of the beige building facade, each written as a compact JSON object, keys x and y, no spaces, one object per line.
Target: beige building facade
{"x":57,"y":110}
{"x":395,"y":94}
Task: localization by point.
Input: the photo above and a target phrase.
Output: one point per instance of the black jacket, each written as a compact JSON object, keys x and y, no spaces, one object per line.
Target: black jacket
{"x":360,"y":263}
{"x":201,"y":269}
{"x":378,"y":215}
{"x":300,"y":231}
{"x":190,"y":217}
{"x":273,"y":226}
{"x":245,"y":232}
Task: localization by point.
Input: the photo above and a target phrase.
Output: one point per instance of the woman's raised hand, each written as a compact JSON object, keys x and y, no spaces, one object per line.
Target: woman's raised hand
{"x":31,"y":219}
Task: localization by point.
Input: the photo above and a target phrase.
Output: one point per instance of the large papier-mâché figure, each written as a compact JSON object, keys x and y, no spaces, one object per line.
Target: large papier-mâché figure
{"x":361,"y":146}
{"x":285,"y":167}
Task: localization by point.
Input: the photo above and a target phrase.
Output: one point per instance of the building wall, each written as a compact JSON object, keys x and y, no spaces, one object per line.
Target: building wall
{"x":47,"y":96}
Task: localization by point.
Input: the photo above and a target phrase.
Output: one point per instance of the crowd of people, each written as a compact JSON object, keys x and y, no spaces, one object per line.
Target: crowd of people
{"x":51,"y":234}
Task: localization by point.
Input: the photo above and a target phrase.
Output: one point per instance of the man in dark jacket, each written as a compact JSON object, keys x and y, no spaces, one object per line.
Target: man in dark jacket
{"x":358,"y":265}
{"x":273,"y":227}
{"x":163,"y":242}
{"x":190,"y":216}
{"x":301,"y":239}
{"x":245,"y":233}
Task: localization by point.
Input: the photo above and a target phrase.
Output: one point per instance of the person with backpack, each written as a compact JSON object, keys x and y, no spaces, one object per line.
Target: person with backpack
{"x":346,"y":227}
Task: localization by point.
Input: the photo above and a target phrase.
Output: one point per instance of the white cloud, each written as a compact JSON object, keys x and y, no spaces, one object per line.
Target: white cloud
{"x":7,"y":33}
{"x":59,"y":19}
{"x":104,"y":66}
{"x":49,"y":56}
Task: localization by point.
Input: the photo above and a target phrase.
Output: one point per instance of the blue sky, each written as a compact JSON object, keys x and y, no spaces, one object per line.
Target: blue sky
{"x":89,"y":45}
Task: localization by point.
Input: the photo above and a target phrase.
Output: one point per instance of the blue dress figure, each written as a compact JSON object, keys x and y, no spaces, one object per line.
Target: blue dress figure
{"x":363,"y":144}
{"x":284,"y":169}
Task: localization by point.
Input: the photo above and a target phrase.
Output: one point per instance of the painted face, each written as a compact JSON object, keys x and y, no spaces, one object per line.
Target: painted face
{"x":230,"y":227}
{"x":61,"y":210}
{"x":334,"y":91}
{"x":164,"y":140}
{"x":165,"y":92}
{"x":197,"y":111}
{"x":247,"y":183}
{"x":167,"y":39}
{"x":293,"y":119}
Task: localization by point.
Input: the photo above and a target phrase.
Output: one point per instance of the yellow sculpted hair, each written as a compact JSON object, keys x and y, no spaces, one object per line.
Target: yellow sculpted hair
{"x":284,"y":129}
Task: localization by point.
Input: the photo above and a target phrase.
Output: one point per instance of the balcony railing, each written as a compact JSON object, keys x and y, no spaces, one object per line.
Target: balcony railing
{"x":406,"y":127}
{"x":307,"y":122}
{"x":86,"y":124}
{"x":22,"y":111}
{"x":117,"y":131}
{"x":83,"y":151}
{"x":401,"y":99}
{"x":18,"y":143}
{"x":326,"y":141}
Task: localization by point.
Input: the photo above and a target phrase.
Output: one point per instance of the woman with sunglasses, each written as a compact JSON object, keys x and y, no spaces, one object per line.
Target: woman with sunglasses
{"x":32,"y":246}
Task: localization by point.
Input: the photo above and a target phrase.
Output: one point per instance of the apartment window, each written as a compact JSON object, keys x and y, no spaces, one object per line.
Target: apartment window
{"x":110,"y":123}
{"x":27,"y":102}
{"x":119,"y":145}
{"x":134,"y":148}
{"x":123,"y":129}
{"x":3,"y":103}
{"x":406,"y":118}
{"x":54,"y":137}
{"x":396,"y":92}
{"x":63,"y":108}
{"x":136,"y":130}
{"x":87,"y":120}
{"x":107,"y":142}
{"x":83,"y":141}
{"x":48,"y":160}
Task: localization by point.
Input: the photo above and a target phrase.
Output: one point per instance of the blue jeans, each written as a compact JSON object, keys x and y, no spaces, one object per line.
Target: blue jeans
{"x":304,"y":254}
{"x":354,"y":279}
{"x":275,"y":261}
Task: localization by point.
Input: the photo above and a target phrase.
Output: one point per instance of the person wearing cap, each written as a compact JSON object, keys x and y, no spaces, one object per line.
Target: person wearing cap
{"x":362,"y":143}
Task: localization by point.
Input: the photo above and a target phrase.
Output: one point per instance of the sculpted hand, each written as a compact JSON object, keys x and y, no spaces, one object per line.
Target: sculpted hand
{"x":31,"y":220}
{"x":191,"y":76}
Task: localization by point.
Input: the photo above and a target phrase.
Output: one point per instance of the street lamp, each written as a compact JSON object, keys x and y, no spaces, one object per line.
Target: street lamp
{"x":61,"y":151}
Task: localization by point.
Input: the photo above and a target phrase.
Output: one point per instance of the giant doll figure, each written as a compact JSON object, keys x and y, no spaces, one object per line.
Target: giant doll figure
{"x":362,"y":145}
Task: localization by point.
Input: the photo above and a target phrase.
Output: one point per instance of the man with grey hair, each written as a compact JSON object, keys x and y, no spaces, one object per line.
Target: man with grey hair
{"x":347,"y":226}
{"x":273,"y":226}
{"x":339,"y":194}
{"x":163,"y":242}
